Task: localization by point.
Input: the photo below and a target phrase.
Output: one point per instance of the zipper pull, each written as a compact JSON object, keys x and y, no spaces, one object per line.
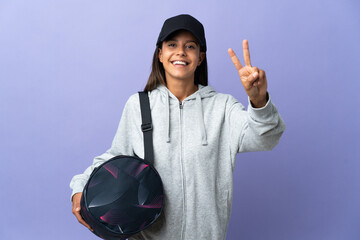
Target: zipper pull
{"x":180,"y":105}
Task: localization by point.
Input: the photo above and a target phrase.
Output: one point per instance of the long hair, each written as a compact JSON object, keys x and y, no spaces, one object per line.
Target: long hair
{"x":157,"y":75}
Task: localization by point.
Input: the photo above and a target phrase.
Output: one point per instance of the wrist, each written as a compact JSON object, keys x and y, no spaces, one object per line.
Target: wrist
{"x":259,"y":102}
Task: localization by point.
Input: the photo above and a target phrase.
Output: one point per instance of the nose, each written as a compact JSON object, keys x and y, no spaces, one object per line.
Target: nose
{"x":181,"y":51}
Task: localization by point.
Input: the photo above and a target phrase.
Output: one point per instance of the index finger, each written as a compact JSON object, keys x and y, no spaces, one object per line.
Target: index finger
{"x":246,"y":53}
{"x":234,"y":59}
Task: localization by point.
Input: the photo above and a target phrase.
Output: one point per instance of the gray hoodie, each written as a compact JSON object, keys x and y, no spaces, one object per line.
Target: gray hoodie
{"x":195,"y":147}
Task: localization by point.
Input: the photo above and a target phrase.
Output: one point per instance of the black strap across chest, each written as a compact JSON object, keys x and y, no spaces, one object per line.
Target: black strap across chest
{"x":146,"y":126}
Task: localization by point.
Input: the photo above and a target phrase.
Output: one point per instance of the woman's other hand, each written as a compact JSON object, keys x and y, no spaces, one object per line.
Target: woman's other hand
{"x":76,"y":209}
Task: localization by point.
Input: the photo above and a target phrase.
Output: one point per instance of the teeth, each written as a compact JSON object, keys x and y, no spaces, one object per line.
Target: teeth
{"x":179,"y":62}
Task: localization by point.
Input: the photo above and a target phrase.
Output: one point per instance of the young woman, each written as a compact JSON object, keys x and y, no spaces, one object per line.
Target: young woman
{"x":196,"y":134}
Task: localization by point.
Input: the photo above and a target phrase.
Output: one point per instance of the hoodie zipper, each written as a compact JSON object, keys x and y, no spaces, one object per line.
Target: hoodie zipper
{"x":181,"y":106}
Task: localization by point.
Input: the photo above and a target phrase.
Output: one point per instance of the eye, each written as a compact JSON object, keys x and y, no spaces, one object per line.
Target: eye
{"x":171,"y":44}
{"x":191,"y":46}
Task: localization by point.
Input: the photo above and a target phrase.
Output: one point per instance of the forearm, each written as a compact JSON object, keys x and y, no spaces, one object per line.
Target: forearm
{"x":263,"y":129}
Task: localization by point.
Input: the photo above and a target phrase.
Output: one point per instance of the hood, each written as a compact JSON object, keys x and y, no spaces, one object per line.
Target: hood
{"x":198,"y":96}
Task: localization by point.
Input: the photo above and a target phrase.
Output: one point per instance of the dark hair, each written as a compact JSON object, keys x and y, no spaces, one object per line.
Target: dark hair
{"x":157,"y":75}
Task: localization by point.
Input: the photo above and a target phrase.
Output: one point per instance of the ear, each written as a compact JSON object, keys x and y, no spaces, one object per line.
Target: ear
{"x":201,"y":57}
{"x":160,"y":55}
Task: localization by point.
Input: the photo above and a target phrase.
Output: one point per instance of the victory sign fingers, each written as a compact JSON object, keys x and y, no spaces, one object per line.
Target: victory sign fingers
{"x":246,"y":54}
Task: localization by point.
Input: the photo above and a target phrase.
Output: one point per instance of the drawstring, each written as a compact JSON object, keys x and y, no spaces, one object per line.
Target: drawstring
{"x":167,"y":115}
{"x":201,"y":120}
{"x":198,"y":104}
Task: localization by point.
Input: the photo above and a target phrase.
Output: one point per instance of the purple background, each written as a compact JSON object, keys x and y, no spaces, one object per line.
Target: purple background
{"x":67,"y":68}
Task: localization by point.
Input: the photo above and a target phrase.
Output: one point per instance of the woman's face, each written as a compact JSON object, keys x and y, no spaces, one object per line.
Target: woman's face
{"x":180,"y":56}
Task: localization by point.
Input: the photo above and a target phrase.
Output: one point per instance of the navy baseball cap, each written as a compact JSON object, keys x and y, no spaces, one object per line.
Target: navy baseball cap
{"x":183,"y":22}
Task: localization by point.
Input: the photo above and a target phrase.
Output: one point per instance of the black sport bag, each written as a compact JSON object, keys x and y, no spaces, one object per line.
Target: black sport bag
{"x":125,"y":194}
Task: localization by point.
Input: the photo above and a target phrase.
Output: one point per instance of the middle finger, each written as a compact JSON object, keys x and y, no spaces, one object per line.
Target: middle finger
{"x":246,"y":53}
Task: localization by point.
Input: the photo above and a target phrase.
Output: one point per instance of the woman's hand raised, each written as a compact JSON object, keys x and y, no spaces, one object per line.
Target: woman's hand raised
{"x":252,"y":78}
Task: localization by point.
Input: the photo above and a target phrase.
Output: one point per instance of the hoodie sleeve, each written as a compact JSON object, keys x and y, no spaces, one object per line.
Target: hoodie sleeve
{"x":257,"y":129}
{"x":121,"y":145}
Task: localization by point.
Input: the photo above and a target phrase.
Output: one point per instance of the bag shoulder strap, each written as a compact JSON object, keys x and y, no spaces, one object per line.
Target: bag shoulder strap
{"x":146,"y":126}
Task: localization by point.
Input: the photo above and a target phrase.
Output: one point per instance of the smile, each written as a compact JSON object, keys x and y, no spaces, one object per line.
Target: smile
{"x":180,"y":63}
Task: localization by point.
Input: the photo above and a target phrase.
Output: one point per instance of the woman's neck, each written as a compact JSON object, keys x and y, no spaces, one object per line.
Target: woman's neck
{"x":181,"y":89}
